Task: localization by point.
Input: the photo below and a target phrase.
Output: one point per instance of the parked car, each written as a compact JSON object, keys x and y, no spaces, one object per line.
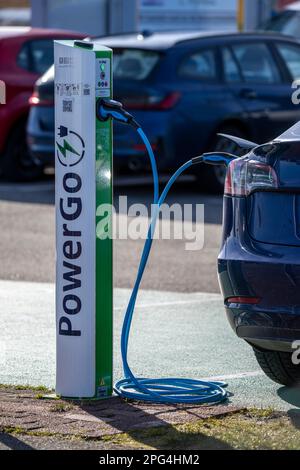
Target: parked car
{"x":184,"y":89}
{"x":25,"y":55}
{"x":286,"y":22}
{"x":259,"y":262}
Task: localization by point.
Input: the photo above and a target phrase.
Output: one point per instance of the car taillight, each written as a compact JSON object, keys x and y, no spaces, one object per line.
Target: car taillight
{"x":243,"y":300}
{"x":152,"y":102}
{"x":37,"y":100}
{"x":245,"y":176}
{"x":142,"y":147}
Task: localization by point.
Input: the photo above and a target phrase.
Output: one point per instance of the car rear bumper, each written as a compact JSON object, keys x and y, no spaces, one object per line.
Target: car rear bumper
{"x":40,"y":134}
{"x":129,"y":151}
{"x":274,"y":322}
{"x":42,"y":149}
{"x":264,"y":271}
{"x":270,"y":330}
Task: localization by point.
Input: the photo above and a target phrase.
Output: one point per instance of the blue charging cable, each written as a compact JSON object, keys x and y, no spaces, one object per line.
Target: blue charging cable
{"x":163,"y":390}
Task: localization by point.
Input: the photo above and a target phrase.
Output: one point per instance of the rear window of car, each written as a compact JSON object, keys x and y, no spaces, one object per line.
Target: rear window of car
{"x":36,"y":56}
{"x":134,"y":64}
{"x":291,"y":55}
{"x":199,"y":65}
{"x":256,"y":63}
{"x":231,"y":69}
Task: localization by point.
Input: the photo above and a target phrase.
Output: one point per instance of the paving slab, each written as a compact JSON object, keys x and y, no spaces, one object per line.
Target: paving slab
{"x":23,"y":411}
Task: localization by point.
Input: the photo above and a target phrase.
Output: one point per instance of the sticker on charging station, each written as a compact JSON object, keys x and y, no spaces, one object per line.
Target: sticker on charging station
{"x":103,"y":78}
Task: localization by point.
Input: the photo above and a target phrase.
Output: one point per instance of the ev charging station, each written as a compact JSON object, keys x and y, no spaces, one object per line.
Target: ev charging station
{"x":84,"y":111}
{"x":84,"y":287}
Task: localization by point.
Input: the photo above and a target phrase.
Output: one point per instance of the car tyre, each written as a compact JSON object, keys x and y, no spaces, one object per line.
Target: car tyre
{"x":16,"y":163}
{"x":278,"y":366}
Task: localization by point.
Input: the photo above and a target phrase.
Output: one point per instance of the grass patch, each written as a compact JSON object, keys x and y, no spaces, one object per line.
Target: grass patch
{"x":252,"y":429}
{"x":12,"y":430}
{"x":61,"y":407}
{"x":39,"y":388}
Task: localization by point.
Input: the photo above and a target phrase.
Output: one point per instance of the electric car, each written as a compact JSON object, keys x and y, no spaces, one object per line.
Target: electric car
{"x":184,"y":88}
{"x":259,"y":262}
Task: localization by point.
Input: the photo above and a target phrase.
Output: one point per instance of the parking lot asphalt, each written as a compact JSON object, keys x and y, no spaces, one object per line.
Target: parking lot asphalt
{"x":180,"y":313}
{"x":189,"y":327}
{"x":27,"y":241}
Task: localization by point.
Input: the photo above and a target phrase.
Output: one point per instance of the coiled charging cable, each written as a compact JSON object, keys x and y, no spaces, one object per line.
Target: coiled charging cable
{"x":162,"y":390}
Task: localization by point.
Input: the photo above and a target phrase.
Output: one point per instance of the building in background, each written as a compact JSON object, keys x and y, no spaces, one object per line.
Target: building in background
{"x":188,"y":14}
{"x":15,"y":12}
{"x":95,"y":17}
{"x":102,"y":17}
{"x":207,"y":14}
{"x":252,"y":14}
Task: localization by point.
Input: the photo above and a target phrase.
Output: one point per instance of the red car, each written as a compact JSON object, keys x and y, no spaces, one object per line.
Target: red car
{"x":25,"y":55}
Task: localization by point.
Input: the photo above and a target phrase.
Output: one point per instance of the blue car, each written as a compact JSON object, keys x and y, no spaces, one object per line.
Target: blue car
{"x":184,"y":89}
{"x":259,"y":263}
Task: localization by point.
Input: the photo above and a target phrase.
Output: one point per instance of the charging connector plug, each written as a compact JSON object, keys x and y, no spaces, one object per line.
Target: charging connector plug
{"x":214,"y":158}
{"x":106,"y":109}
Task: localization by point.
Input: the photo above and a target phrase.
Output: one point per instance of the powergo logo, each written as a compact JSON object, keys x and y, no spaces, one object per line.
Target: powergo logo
{"x":70,"y":152}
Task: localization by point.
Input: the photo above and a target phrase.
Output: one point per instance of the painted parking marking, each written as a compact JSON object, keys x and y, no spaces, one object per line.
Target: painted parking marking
{"x":177,"y":302}
{"x":242,"y":375}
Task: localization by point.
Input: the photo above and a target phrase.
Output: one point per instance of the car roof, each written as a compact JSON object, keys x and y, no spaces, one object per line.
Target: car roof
{"x":24,"y":31}
{"x":166,"y":40}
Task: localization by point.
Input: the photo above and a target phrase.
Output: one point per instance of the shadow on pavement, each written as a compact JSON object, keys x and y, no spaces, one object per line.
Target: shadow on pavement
{"x":151,"y":424}
{"x":290,"y":395}
{"x":12,"y":443}
{"x":294,"y":416}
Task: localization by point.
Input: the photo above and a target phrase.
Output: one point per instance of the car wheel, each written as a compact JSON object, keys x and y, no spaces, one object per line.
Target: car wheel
{"x":212,"y":178}
{"x":278,"y":366}
{"x":16,"y":162}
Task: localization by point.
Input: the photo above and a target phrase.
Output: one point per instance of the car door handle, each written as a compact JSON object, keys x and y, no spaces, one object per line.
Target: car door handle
{"x":248,"y":93}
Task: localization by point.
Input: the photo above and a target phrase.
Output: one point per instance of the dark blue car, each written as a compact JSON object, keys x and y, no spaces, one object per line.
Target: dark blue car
{"x":185,"y":88}
{"x":259,"y":263}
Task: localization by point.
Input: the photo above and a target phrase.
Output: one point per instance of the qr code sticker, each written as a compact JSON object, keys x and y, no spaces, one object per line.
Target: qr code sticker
{"x":67,"y":106}
{"x":86,"y":91}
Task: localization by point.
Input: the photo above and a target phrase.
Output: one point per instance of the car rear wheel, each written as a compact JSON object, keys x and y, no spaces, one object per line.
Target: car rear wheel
{"x":278,"y":366}
{"x":212,"y":178}
{"x":16,"y":163}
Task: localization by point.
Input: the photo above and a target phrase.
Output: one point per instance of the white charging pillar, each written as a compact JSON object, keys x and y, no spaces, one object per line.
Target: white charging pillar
{"x":83,"y":74}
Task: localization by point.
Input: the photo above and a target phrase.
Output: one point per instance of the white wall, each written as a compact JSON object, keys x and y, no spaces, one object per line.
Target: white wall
{"x":201,"y":14}
{"x":94,"y":17}
{"x":99,"y":17}
{"x":188,"y":14}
